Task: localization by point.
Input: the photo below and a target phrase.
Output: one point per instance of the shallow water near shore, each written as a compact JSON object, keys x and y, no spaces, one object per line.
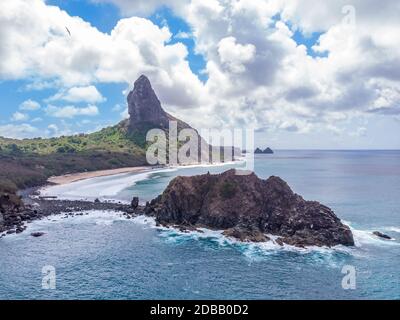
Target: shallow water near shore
{"x":102,"y":255}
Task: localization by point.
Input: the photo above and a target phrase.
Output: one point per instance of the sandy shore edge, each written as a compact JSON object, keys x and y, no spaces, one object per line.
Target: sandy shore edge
{"x":73,"y":177}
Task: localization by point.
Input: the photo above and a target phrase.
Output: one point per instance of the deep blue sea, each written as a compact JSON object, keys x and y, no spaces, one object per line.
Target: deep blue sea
{"x":101,"y":255}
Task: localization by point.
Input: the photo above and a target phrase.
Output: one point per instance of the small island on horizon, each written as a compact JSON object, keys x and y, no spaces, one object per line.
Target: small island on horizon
{"x":267,"y":150}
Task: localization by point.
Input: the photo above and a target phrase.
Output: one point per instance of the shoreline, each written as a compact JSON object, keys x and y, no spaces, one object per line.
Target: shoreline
{"x":36,"y":206}
{"x":74,"y":177}
{"x":78,"y":176}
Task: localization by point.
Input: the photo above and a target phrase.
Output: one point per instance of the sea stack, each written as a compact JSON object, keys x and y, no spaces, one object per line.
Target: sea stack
{"x":248,"y":208}
{"x":144,"y":106}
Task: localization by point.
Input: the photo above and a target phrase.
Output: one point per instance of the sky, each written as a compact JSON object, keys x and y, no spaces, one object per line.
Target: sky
{"x":303,"y":74}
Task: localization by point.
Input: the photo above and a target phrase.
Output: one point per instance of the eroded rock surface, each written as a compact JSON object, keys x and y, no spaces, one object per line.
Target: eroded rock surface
{"x":248,"y":208}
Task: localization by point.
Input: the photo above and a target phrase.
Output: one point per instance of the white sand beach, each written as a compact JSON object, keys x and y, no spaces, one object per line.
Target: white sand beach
{"x":73,"y":177}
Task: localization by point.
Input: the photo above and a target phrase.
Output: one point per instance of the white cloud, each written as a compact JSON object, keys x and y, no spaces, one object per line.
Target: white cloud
{"x":29,"y":105}
{"x":117,"y":108}
{"x":142,"y":7}
{"x":124,"y":114}
{"x":19,"y":116}
{"x":234,"y":55}
{"x":53,"y":127}
{"x":18,"y":131}
{"x":71,"y":111}
{"x":257,"y":74}
{"x":35,"y":44}
{"x":88,"y":94}
{"x":183,"y":35}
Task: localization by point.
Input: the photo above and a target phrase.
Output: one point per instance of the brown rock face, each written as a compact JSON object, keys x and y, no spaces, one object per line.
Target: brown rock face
{"x":144,"y":106}
{"x":146,"y":113}
{"x":248,"y":207}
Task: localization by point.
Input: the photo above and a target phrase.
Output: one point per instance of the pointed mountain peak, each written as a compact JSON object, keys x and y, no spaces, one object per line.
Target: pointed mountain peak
{"x":142,"y":81}
{"x":144,"y":106}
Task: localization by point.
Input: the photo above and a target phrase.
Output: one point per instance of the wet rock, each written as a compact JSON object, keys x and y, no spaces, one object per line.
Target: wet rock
{"x":246,"y":235}
{"x":135,"y":202}
{"x":382,"y":235}
{"x":37,"y":234}
{"x":248,"y":207}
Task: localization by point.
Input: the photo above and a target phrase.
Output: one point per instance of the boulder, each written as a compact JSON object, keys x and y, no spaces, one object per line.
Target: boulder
{"x":37,"y":234}
{"x":135,"y":202}
{"x":247,"y":208}
{"x":382,"y":235}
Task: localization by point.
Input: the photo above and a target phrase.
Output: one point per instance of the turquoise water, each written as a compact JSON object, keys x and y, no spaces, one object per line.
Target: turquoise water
{"x":103,"y":256}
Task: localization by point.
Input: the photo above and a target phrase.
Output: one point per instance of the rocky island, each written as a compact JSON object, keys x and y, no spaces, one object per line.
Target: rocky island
{"x":267,"y":150}
{"x":248,"y":208}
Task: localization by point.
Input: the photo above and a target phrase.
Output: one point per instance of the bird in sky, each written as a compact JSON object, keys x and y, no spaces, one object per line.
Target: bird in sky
{"x":68,"y":31}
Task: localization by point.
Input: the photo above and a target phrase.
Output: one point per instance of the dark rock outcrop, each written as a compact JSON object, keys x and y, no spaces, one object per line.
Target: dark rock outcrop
{"x":144,"y":106}
{"x":135,"y":202}
{"x":37,"y":234}
{"x":382,"y":235}
{"x":265,"y":151}
{"x":247,"y":208}
{"x":146,"y":112}
{"x":14,"y":220}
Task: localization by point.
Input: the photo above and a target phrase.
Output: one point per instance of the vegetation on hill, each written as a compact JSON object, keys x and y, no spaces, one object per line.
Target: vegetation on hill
{"x":29,"y":162}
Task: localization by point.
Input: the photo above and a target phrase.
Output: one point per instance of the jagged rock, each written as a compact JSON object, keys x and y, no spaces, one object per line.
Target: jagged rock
{"x":382,"y":235}
{"x":135,"y":202}
{"x":246,"y":235}
{"x":248,"y":206}
{"x":144,"y":106}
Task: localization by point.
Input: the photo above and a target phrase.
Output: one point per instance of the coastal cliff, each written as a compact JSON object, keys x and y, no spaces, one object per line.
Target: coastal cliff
{"x":248,"y":208}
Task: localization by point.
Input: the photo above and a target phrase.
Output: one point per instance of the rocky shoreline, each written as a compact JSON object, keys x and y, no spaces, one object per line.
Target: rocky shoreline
{"x":248,"y":208}
{"x":14,"y":218}
{"x":244,"y":207}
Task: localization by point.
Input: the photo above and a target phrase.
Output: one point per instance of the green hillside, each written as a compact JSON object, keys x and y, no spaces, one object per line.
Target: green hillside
{"x":29,"y":162}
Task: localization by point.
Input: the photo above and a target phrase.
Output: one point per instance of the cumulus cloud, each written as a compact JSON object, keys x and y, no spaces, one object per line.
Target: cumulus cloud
{"x":235,"y":55}
{"x":117,"y":108}
{"x":278,"y":84}
{"x":29,"y":105}
{"x":71,"y":111}
{"x":18,"y":131}
{"x":35,"y":44}
{"x":257,"y":74}
{"x":19,"y":116}
{"x":183,"y":35}
{"x":88,"y":94}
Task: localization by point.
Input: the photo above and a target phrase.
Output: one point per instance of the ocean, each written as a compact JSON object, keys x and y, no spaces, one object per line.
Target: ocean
{"x":102,"y":255}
